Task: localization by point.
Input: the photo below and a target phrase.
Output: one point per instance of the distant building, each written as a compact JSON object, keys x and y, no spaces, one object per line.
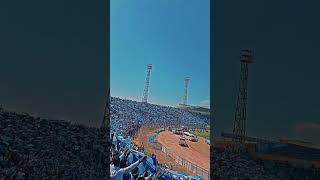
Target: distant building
{"x":183,"y":106}
{"x":196,"y":109}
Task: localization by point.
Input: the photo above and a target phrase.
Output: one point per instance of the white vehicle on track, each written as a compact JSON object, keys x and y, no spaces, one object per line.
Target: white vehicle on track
{"x":190,"y":137}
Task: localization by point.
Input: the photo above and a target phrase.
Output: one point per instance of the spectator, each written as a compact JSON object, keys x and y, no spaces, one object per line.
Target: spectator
{"x":117,"y":173}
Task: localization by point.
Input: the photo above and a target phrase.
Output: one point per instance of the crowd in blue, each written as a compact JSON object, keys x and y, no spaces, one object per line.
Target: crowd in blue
{"x":126,"y":117}
{"x":148,"y":168}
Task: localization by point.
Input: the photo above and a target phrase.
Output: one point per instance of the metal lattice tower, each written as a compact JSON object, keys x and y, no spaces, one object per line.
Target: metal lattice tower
{"x":146,"y":84}
{"x":240,"y":120}
{"x":185,"y":96}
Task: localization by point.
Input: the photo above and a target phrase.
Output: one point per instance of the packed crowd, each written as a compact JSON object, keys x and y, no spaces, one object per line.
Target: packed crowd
{"x":228,"y":164}
{"x":130,"y":162}
{"x":126,"y":168}
{"x":127,"y":115}
{"x":34,"y":148}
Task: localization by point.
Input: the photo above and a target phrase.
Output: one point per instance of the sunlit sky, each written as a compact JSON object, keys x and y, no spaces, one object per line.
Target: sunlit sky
{"x":173,"y":36}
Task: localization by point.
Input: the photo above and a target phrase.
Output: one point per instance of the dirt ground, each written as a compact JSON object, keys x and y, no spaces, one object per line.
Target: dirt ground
{"x":197,"y":153}
{"x":142,"y":137}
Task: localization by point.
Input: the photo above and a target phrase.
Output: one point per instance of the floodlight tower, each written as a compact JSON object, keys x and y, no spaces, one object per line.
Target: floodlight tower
{"x":239,"y":128}
{"x":146,"y":84}
{"x":186,"y":84}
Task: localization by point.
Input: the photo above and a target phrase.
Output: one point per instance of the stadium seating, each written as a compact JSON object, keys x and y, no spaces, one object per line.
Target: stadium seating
{"x":149,"y":164}
{"x":128,"y":116}
{"x":229,"y":164}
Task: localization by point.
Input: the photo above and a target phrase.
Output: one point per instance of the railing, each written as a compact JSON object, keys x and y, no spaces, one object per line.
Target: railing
{"x":186,"y":164}
{"x":181,"y":161}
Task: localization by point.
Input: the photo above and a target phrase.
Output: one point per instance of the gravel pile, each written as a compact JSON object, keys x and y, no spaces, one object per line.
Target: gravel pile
{"x":34,"y":148}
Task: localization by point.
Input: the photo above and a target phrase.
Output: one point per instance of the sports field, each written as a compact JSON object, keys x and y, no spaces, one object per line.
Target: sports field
{"x":142,"y":138}
{"x":205,"y":133}
{"x":197,"y":152}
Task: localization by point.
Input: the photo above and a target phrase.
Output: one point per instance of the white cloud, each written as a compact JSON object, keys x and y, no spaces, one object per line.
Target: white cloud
{"x":205,"y":102}
{"x":133,"y":98}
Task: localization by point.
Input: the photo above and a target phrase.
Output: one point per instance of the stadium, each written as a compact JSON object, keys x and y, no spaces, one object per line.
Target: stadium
{"x":151,"y":129}
{"x":239,"y":156}
{"x":282,"y":159}
{"x":174,"y":141}
{"x":148,"y":120}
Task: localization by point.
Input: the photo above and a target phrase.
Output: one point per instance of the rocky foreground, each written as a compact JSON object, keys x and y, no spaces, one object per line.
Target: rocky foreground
{"x":35,"y":148}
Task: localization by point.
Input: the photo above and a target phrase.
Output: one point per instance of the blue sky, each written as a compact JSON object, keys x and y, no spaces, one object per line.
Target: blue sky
{"x":172,"y":35}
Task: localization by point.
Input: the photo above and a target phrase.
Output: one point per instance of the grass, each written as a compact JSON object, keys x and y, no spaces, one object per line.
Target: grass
{"x":202,"y":133}
{"x":201,"y":112}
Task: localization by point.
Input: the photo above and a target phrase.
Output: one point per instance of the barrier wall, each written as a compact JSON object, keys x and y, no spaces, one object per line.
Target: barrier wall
{"x":179,"y":160}
{"x":186,"y":164}
{"x":149,"y":163}
{"x":290,"y":150}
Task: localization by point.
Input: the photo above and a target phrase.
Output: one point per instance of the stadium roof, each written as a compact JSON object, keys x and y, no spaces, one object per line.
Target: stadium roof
{"x":300,"y":143}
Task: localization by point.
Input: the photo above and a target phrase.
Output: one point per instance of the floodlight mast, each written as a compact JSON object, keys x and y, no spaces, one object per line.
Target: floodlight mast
{"x":239,"y":128}
{"x":146,"y":84}
{"x":185,"y":96}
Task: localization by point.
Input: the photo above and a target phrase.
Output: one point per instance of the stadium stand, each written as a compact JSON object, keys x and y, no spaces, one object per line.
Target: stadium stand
{"x":128,"y":116}
{"x":235,"y":164}
{"x":128,"y":157}
{"x":37,"y":148}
